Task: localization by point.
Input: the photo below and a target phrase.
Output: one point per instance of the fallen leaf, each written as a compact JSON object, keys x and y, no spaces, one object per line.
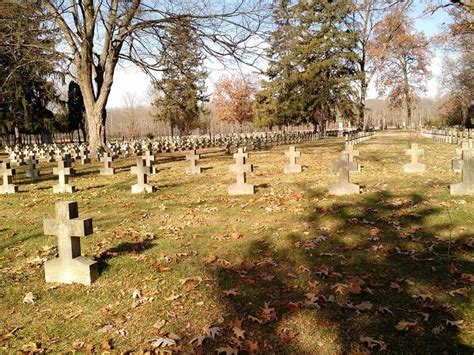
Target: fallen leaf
{"x":231,"y":292}
{"x":106,"y":344}
{"x":209,"y":259}
{"x":405,"y":325}
{"x":162,"y":342}
{"x":463,"y":291}
{"x":372,"y":343}
{"x":33,"y":347}
{"x":252,"y":347}
{"x":198,"y":340}
{"x":364,"y":306}
{"x":30,"y":298}
{"x":437,"y":330}
{"x":160,"y":323}
{"x":213,"y":332}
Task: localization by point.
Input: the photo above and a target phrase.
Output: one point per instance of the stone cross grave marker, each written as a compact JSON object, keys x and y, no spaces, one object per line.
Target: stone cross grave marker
{"x":149,"y":159}
{"x":465,"y":146}
{"x":32,"y":171}
{"x":466,"y":166}
{"x":193,"y":158}
{"x":84,"y":153}
{"x":49,"y":156}
{"x":21,"y":158}
{"x":64,"y":170}
{"x":141,"y":171}
{"x":70,"y":266}
{"x":7,"y":172}
{"x":343,"y":187}
{"x":107,"y":160}
{"x":240,"y":168}
{"x":351,"y":152}
{"x":414,"y":166}
{"x":292,"y":167}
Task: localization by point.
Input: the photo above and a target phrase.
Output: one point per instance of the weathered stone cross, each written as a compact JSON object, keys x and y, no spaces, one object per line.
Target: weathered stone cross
{"x":32,"y":171}
{"x":466,"y":166}
{"x":64,"y":170}
{"x":240,"y":168}
{"x":7,"y":172}
{"x":193,"y":158}
{"x":149,"y":159}
{"x":70,"y":266}
{"x":292,"y":167}
{"x":351,"y":153}
{"x":414,"y":166}
{"x":343,"y":166}
{"x":141,"y":171}
{"x":107,"y":160}
{"x":84,"y":152}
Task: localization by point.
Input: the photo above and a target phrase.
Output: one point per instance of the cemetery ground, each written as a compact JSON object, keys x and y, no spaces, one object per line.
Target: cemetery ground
{"x":287,"y":270}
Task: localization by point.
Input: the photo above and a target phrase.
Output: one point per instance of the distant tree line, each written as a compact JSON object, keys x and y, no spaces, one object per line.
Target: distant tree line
{"x":322,"y":56}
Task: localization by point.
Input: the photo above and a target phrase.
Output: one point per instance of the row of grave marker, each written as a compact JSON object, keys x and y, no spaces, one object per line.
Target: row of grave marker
{"x":72,"y":267}
{"x":343,"y":166}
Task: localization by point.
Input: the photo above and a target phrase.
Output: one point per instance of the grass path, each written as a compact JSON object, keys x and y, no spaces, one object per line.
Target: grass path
{"x":287,"y":270}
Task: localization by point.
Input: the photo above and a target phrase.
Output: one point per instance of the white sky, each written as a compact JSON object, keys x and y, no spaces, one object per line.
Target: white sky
{"x":129,"y":79}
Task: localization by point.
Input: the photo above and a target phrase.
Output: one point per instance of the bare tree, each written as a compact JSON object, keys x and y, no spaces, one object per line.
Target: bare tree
{"x":97,"y":34}
{"x":367,"y":15}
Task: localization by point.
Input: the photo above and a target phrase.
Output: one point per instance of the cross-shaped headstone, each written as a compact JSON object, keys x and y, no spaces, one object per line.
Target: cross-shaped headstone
{"x":49,"y":156}
{"x":84,"y":152}
{"x":240,"y":168}
{"x":142,"y":172}
{"x":107,"y":169}
{"x":7,"y":173}
{"x":292,"y":167}
{"x":351,"y":153}
{"x":64,"y":170}
{"x":414,"y":166}
{"x":466,"y":166}
{"x":70,"y":266}
{"x":21,"y":158}
{"x":149,"y":159}
{"x":343,"y":166}
{"x":193,"y":158}
{"x":240,"y":156}
{"x":32,"y":171}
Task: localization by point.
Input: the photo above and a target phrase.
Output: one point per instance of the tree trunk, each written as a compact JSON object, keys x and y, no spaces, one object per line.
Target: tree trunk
{"x":363,"y":94}
{"x":96,"y":129}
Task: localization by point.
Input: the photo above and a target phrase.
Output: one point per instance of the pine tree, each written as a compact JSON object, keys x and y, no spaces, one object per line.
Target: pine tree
{"x":180,"y":93}
{"x":25,"y":86}
{"x":312,"y":64}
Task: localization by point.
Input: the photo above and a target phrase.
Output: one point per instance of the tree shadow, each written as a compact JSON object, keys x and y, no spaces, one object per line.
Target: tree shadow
{"x":121,"y":249}
{"x":370,"y":264}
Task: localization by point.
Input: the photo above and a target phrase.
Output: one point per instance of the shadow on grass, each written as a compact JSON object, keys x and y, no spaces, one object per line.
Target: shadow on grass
{"x":122,"y":249}
{"x":381,"y":263}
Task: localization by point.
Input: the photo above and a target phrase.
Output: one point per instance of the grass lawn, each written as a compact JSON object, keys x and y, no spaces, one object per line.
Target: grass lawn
{"x":289,"y":270}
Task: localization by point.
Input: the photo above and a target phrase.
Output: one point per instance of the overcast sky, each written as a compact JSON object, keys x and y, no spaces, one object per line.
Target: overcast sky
{"x":129,"y":79}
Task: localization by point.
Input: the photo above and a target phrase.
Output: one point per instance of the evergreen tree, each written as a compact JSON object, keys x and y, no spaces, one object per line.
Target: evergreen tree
{"x":26,"y":89}
{"x":312,"y":64}
{"x":76,"y":109}
{"x":180,"y":92}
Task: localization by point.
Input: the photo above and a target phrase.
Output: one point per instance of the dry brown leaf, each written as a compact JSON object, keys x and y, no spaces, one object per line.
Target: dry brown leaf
{"x":372,"y":343}
{"x":455,"y":323}
{"x":106,"y":344}
{"x":209,"y":259}
{"x":463,"y":291}
{"x":252,"y":347}
{"x":405,"y":325}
